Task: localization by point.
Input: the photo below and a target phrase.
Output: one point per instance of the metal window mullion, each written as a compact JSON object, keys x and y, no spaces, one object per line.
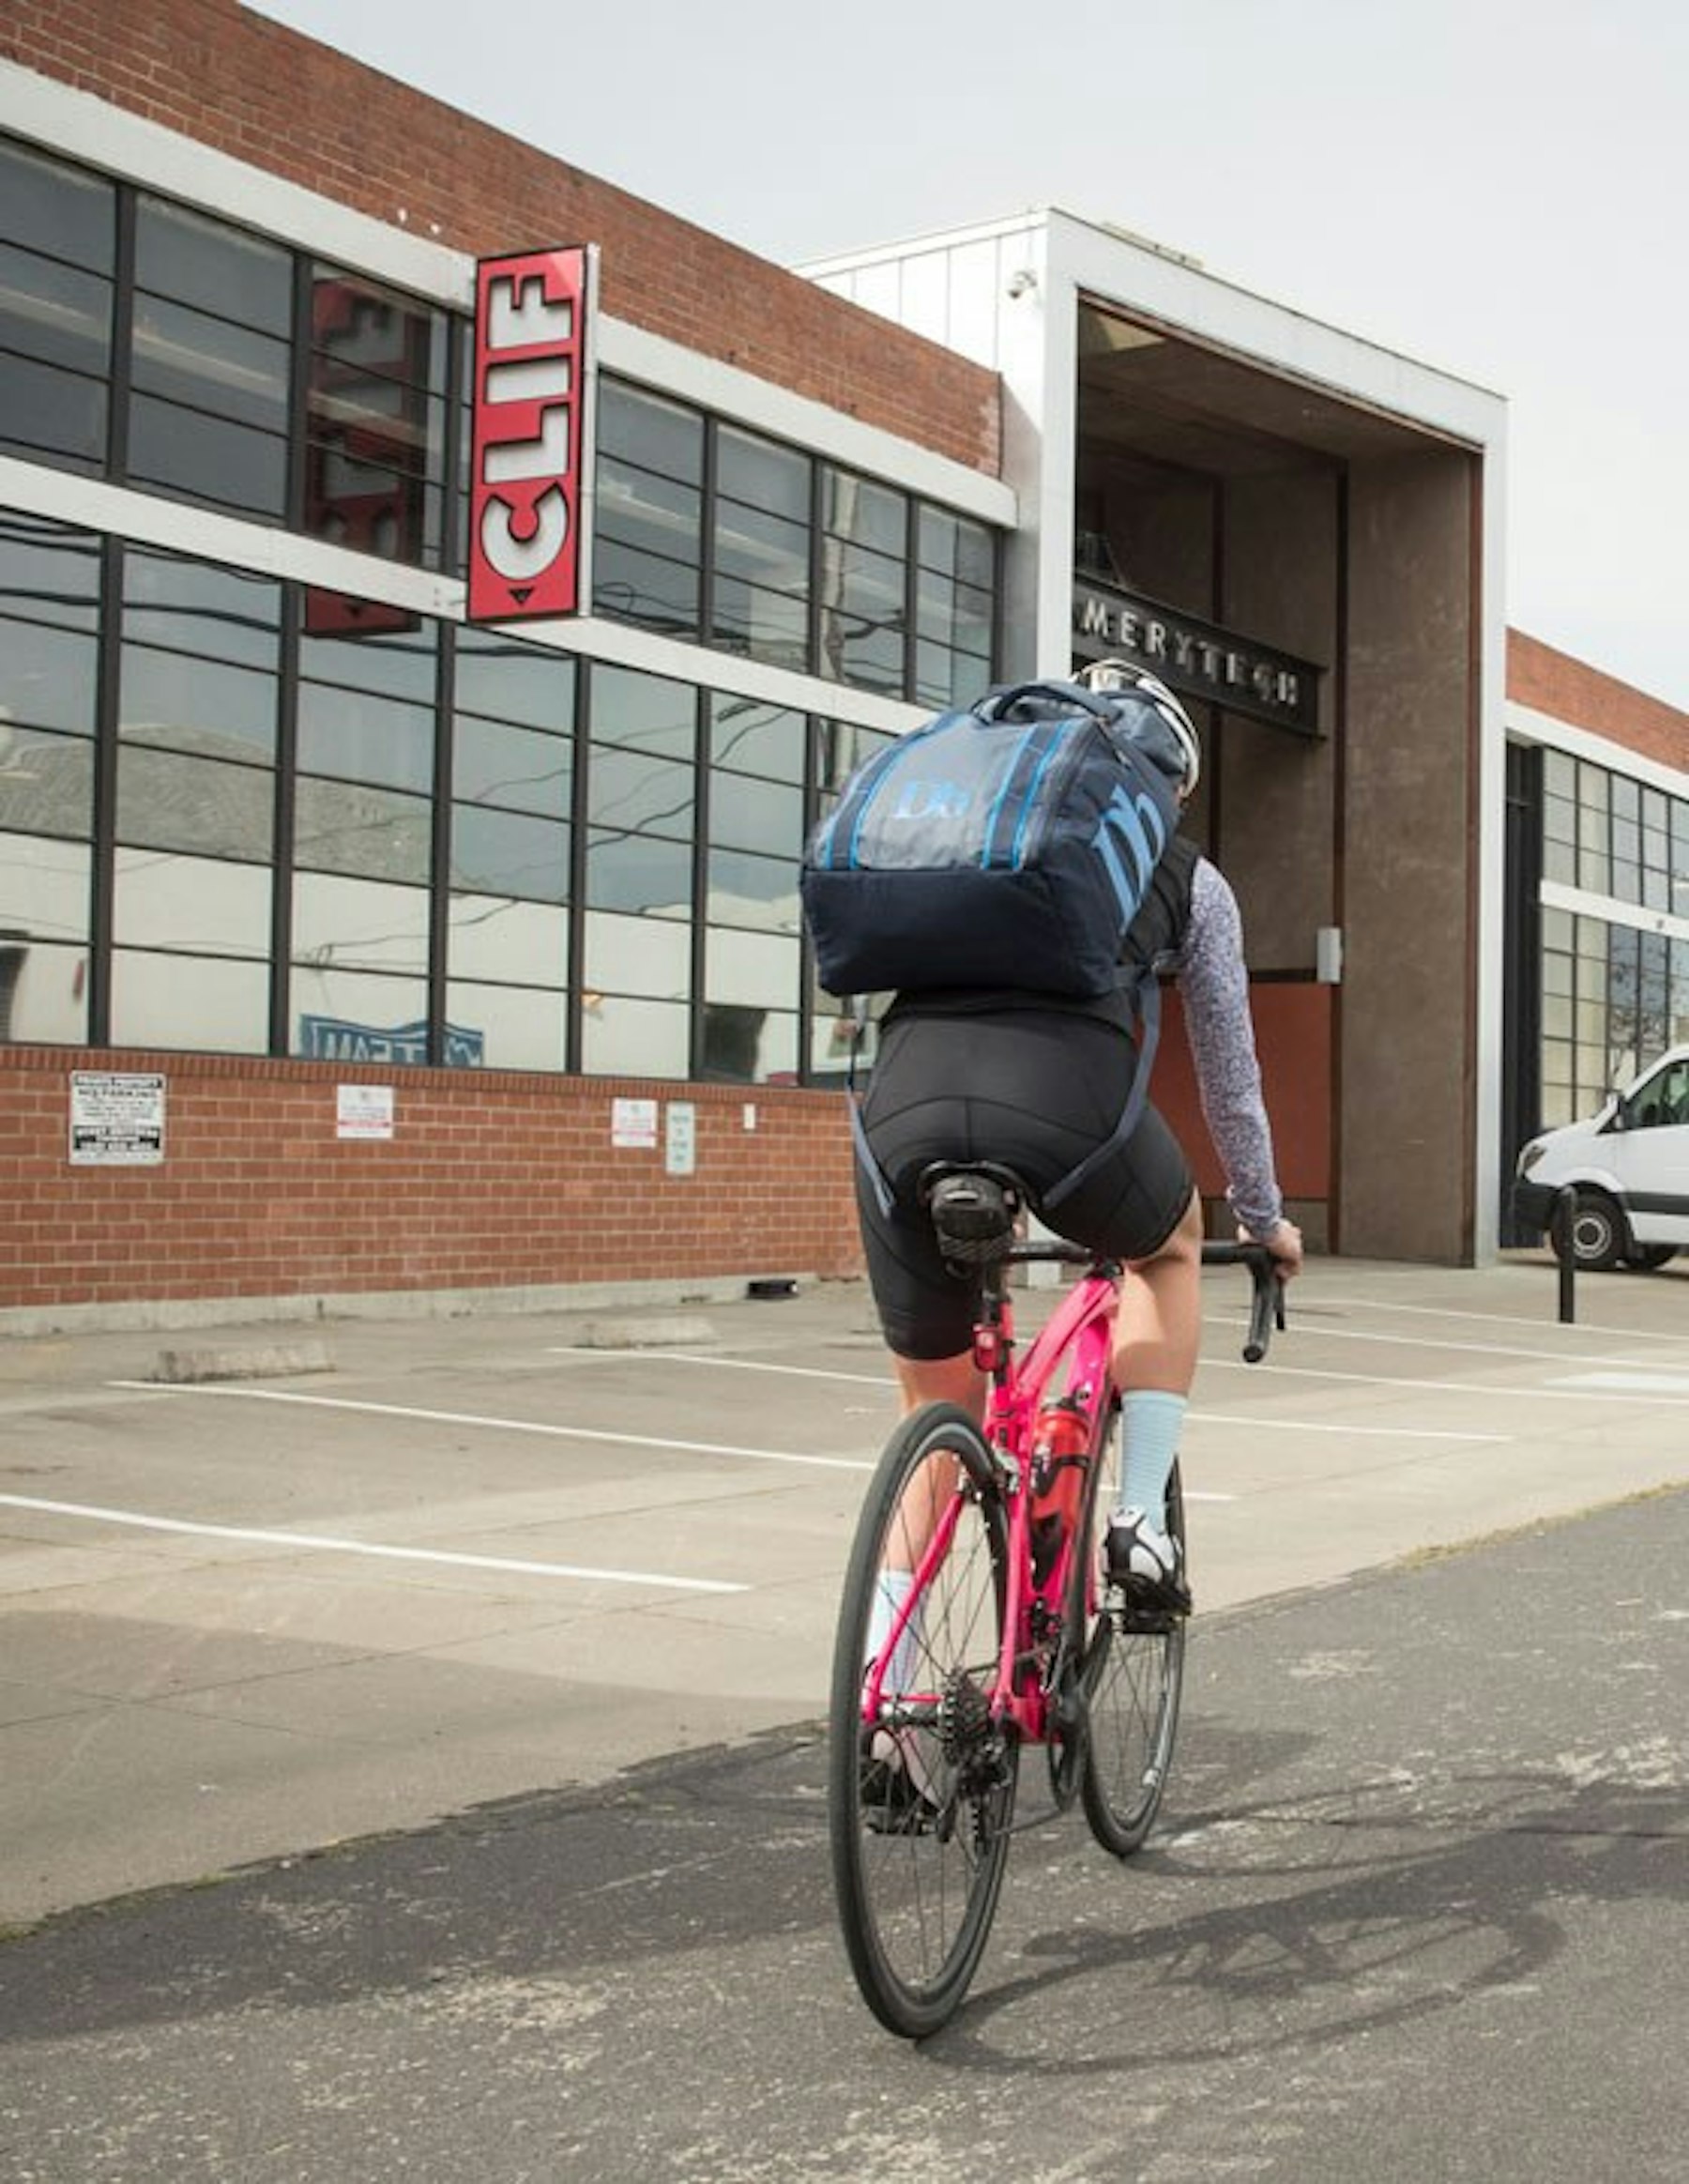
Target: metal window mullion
{"x":707,"y":530}
{"x":439,"y":877}
{"x":816,"y":566}
{"x":281,"y":839}
{"x":103,"y":835}
{"x":911,"y":595}
{"x":581,"y":790}
{"x":123,"y":335}
{"x":298,"y":382}
{"x":700,"y":877}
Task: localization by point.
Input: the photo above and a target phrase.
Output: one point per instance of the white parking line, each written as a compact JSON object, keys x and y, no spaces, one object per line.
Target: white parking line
{"x":505,"y":1424}
{"x":1316,"y":1305}
{"x":1196,"y":1417}
{"x":1561,"y":1357}
{"x":1555,"y":1390}
{"x":808,"y":1372}
{"x":322,"y":1544}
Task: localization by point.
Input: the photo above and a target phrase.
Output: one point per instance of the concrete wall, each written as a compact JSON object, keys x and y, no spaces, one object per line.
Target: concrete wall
{"x":1407,"y":861}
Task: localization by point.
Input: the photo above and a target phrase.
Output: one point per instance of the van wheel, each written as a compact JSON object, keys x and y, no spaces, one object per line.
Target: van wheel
{"x":1650,"y":1257}
{"x":1600,"y":1235}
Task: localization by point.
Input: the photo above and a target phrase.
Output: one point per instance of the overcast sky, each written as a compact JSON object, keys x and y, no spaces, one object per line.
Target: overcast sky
{"x":1495,"y":187}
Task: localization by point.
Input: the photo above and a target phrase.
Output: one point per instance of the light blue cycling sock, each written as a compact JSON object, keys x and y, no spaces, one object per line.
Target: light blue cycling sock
{"x":1150,"y":1422}
{"x":891,"y":1589}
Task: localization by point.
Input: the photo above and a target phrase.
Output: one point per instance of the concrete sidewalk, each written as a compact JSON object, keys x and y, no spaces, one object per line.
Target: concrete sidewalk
{"x":392,"y":1569}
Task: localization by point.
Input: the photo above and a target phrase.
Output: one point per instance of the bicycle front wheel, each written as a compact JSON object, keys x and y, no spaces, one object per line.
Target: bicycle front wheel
{"x":921,"y":1784}
{"x":1133,"y":1673}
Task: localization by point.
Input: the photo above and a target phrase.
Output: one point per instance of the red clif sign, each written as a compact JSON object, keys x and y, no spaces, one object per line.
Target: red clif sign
{"x":530,"y":382}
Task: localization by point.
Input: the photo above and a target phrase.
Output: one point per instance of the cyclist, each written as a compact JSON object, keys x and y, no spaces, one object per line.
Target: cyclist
{"x":1037,"y":1083}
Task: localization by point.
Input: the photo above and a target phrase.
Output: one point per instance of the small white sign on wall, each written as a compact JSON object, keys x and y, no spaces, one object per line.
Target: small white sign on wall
{"x":363,"y":1110}
{"x":116,"y":1119}
{"x":680,"y":1146}
{"x":633,"y":1122}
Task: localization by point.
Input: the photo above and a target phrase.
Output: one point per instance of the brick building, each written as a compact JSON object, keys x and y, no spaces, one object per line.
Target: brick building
{"x":351,"y":950}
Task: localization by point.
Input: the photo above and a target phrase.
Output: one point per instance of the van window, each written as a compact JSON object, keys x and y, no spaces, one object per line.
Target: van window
{"x":1664,"y":1100}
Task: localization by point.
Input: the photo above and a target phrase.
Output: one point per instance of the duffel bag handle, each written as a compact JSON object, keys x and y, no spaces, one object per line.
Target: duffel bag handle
{"x":995,"y":704}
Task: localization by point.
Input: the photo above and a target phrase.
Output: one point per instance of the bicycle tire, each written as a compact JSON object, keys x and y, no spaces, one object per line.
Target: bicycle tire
{"x":1132,"y":1675}
{"x":916,"y":1878}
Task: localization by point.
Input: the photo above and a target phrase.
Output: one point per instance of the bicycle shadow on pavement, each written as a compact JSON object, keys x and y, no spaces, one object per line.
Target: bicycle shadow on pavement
{"x":1339,"y":1913}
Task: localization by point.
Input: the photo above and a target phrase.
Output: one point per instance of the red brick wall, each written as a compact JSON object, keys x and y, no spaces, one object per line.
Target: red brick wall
{"x":491,"y":1180}
{"x":247,"y":87}
{"x":1553,"y":682}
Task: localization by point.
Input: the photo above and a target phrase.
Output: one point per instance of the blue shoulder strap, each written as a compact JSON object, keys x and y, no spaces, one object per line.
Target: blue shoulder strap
{"x":1149,"y":1006}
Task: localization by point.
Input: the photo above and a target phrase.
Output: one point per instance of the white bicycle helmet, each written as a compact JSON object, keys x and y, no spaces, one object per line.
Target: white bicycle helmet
{"x":1125,"y":675}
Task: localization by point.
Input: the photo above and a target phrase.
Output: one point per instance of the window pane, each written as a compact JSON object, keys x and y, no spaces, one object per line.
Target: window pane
{"x":197,"y":1003}
{"x":763,"y":970}
{"x":512,"y":767}
{"x":197,"y":704}
{"x":627,"y":789}
{"x":763,"y":474}
{"x":200,"y":609}
{"x":342,"y":922}
{"x":658,"y":435}
{"x":46,"y":781}
{"x":637,"y":956}
{"x":869,"y":515}
{"x":511,"y":1027}
{"x":760,"y":625}
{"x":44,"y":910}
{"x":201,"y":261}
{"x":47,"y":677}
{"x":644,"y":713}
{"x":192,"y":904}
{"x":54,"y":313}
{"x":189,"y":452}
{"x":51,"y":415}
{"x":514,"y":943}
{"x":637,"y":872}
{"x":647,"y":550}
{"x":167,"y":801}
{"x":507,"y":853}
{"x":744,"y":1045}
{"x":635,"y":1038}
{"x":754,"y":738}
{"x":377,"y":423}
{"x":353,"y":736}
{"x":352,"y":1015}
{"x":348,"y":828}
{"x":755,"y":814}
{"x":757,"y":892}
{"x":634,"y":587}
{"x":58,"y":209}
{"x":505,"y":681}
{"x":190,"y":357}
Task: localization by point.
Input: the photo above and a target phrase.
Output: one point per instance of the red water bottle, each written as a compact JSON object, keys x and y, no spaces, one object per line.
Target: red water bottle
{"x":1061,"y":1451}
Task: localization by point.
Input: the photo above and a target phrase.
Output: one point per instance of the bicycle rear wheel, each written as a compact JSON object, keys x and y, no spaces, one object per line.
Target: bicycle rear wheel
{"x":1133,"y":1670}
{"x":920,"y":1797}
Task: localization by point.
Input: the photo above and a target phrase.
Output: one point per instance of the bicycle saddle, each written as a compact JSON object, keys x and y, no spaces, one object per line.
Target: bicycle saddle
{"x":974,"y":1206}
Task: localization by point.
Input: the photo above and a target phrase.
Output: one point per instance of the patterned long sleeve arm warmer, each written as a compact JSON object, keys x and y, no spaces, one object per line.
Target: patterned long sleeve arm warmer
{"x":1214,"y":986}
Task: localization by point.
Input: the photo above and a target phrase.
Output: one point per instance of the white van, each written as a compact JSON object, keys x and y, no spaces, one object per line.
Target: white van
{"x":1630,"y":1165}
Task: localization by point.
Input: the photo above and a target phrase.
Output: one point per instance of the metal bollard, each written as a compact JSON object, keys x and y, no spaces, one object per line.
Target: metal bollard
{"x":1562,"y":1229}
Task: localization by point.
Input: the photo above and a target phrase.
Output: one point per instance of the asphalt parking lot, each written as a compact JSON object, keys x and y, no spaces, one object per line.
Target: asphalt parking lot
{"x":389,"y":1571}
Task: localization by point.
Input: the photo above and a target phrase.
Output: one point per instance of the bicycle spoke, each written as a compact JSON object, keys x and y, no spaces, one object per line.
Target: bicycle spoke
{"x":921,"y":1787}
{"x":1134,"y":1678}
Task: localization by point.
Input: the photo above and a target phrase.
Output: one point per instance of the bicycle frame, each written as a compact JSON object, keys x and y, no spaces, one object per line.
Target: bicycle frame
{"x":1076,"y":1345}
{"x":1072,"y":1348}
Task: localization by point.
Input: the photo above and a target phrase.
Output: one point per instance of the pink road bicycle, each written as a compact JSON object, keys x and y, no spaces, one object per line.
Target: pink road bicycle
{"x":1011,"y":1634}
